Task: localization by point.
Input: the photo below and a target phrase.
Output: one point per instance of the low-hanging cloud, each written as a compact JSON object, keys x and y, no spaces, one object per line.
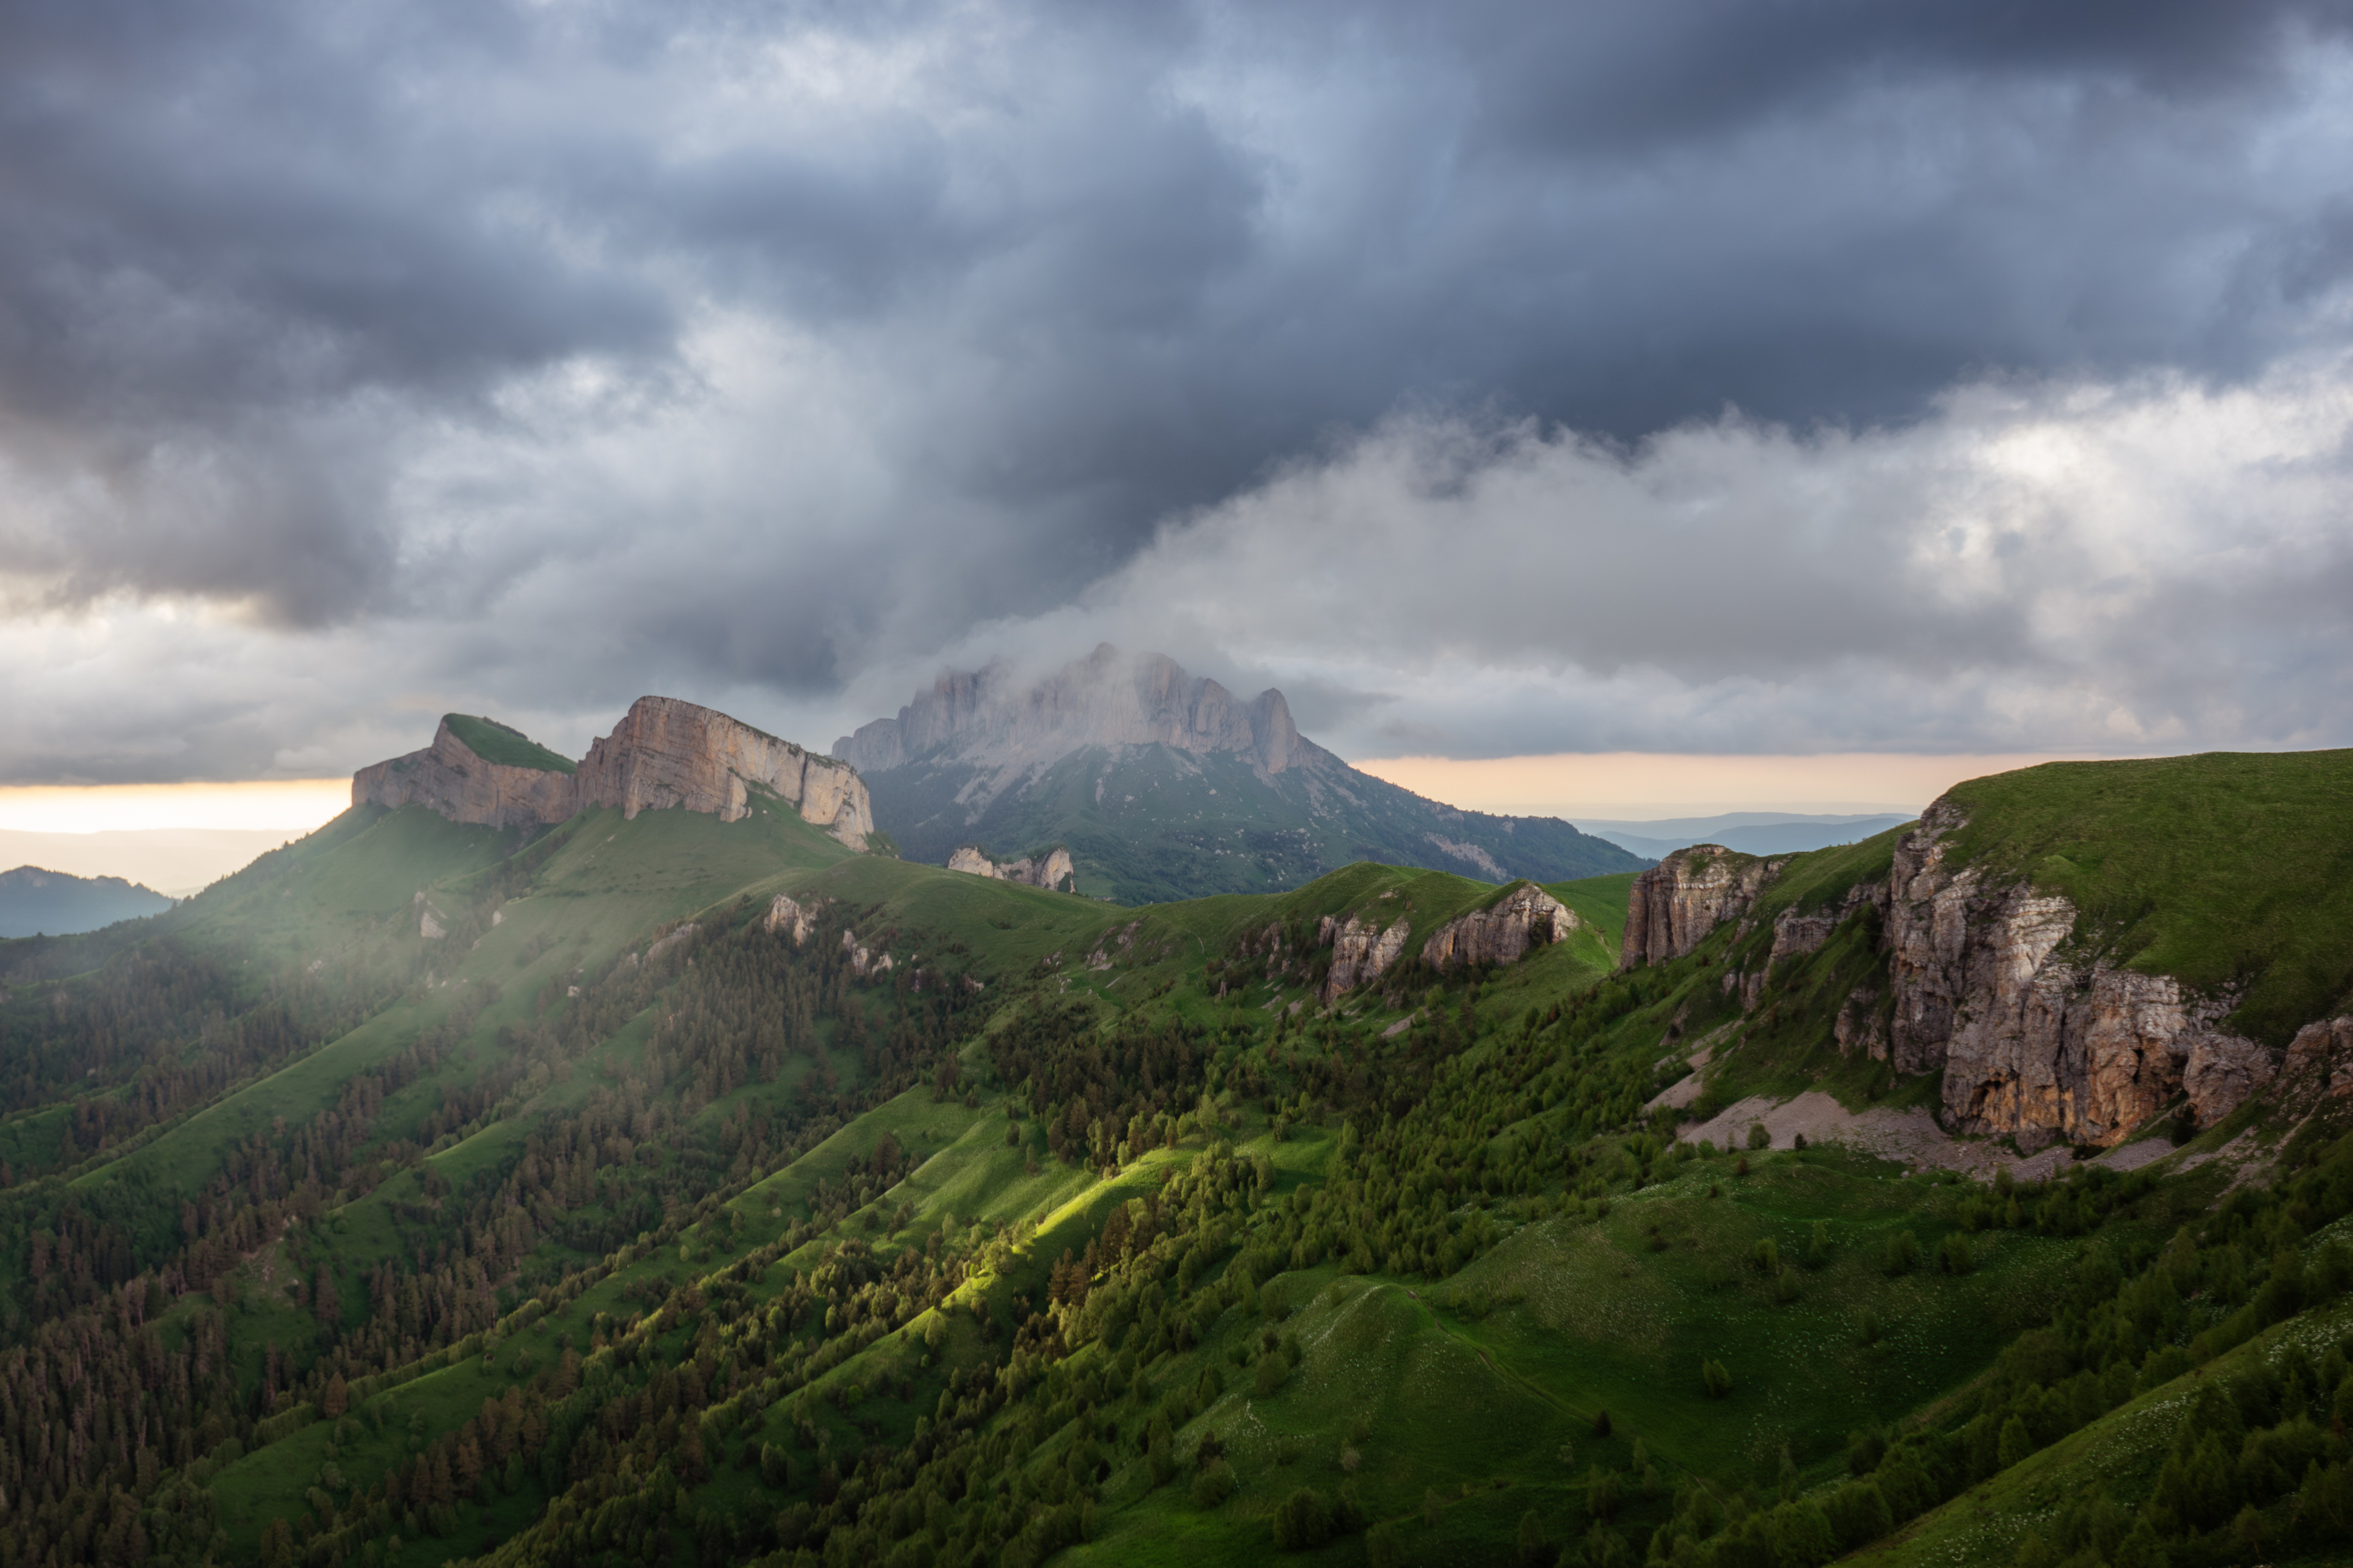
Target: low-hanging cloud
{"x":2153,"y":564}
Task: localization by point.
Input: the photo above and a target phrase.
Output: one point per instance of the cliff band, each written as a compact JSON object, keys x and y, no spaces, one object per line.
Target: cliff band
{"x":1979,"y":986}
{"x":663,"y":753}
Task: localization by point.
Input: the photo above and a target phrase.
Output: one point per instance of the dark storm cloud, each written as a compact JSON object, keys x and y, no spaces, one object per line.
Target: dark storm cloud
{"x":751,"y":346}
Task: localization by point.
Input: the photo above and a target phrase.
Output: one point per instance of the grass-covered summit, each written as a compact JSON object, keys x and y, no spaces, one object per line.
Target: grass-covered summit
{"x":2231,"y":870}
{"x":505,"y":744}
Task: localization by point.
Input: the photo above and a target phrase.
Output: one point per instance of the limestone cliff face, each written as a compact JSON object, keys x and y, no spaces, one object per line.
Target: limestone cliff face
{"x":1053,"y":869}
{"x":667,"y":752}
{"x":1527,"y":917}
{"x":790,"y":918}
{"x":1675,"y":903}
{"x":664,"y":753}
{"x":2027,"y":1039}
{"x":448,"y":778}
{"x":1361,"y":950}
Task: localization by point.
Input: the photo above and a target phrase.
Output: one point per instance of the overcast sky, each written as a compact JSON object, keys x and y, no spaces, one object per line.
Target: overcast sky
{"x":1496,"y":378}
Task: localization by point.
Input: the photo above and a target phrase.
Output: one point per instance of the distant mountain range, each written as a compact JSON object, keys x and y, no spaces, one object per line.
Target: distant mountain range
{"x":35,"y":902}
{"x":1750,"y":832}
{"x":175,"y":861}
{"x":1164,"y":786}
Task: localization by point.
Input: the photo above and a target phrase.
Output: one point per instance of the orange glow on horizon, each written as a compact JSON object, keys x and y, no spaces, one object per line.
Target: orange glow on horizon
{"x":296,"y":804}
{"x":1637,"y":786}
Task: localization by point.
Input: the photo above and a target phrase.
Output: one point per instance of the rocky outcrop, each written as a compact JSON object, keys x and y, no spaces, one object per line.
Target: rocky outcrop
{"x":2027,"y":1038}
{"x":448,"y":778}
{"x":666,"y":754}
{"x":1676,"y":903}
{"x":864,"y":963}
{"x":791,"y":919}
{"x":2320,"y":1059}
{"x":1053,"y":869}
{"x":1361,"y":950}
{"x":993,"y":716}
{"x":1502,"y":933}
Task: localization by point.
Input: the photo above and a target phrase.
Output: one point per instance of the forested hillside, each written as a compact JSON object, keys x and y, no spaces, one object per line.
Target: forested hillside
{"x":672,"y":1190}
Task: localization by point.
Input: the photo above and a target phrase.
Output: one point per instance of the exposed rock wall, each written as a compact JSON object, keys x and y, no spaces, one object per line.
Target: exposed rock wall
{"x":1361,"y":950}
{"x":2322,"y":1055}
{"x":666,"y":752}
{"x":864,"y":963}
{"x":1677,"y":902}
{"x":2027,"y":1039}
{"x":791,"y":917}
{"x":1527,"y":917}
{"x":1053,"y":869}
{"x":448,"y":778}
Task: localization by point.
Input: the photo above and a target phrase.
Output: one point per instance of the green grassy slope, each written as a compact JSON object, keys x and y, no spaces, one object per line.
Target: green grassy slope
{"x":1098,"y":1235}
{"x":505,"y":744}
{"x":2230,"y":870}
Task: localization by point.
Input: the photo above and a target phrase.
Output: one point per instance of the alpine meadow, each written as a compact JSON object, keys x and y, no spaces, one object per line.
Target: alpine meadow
{"x":668,"y":1176}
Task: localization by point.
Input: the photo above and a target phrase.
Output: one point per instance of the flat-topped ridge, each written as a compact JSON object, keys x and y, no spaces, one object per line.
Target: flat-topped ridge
{"x":664,"y":752}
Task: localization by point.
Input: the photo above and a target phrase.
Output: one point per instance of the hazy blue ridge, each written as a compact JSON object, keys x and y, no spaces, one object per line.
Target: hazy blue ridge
{"x":1751,"y":833}
{"x":35,"y":902}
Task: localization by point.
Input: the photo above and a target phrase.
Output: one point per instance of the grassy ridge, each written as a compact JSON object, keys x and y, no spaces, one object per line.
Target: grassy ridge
{"x":505,"y":744}
{"x":2233,"y":871}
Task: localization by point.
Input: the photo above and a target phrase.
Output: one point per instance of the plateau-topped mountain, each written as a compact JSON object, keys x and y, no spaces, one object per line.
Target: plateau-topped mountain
{"x":663,"y":753}
{"x":33,"y":900}
{"x":1161,"y":786}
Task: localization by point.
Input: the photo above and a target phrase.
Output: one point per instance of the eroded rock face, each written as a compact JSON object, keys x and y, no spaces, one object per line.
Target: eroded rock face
{"x":664,"y":753}
{"x":667,"y":752}
{"x":864,"y":963}
{"x":2027,"y":1039}
{"x":1527,"y":917}
{"x":1361,"y":950}
{"x":1053,"y":869}
{"x":2322,"y":1052}
{"x":790,"y":918}
{"x":1677,"y":902}
{"x":448,"y":778}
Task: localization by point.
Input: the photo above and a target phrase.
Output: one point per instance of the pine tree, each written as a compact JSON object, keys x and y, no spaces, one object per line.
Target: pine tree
{"x":2016,"y":1443}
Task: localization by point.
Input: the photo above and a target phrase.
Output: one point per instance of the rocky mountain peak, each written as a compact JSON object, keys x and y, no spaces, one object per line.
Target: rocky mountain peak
{"x":991,"y":718}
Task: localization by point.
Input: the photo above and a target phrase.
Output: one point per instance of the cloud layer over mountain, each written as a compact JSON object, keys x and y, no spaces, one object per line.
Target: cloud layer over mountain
{"x":1496,"y":376}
